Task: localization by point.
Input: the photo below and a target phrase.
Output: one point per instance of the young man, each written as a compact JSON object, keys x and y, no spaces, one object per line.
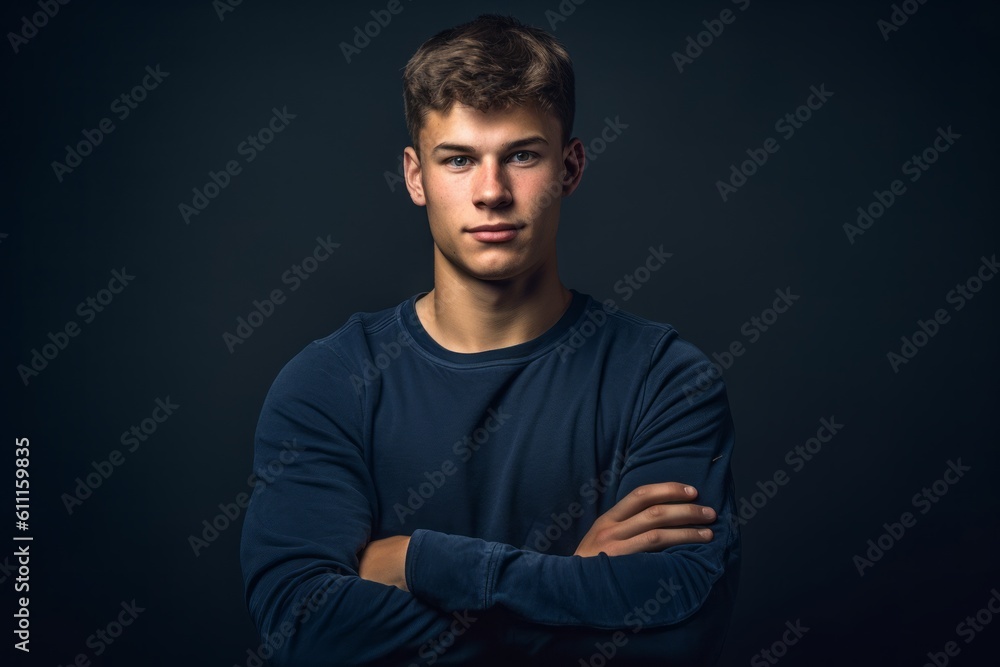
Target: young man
{"x":500,"y":470}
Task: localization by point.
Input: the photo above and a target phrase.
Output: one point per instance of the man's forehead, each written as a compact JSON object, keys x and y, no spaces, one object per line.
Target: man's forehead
{"x":463,"y":124}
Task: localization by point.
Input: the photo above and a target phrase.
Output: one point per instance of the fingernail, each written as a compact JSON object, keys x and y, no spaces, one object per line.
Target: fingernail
{"x":708,"y":511}
{"x":705,"y":532}
{"x":689,"y":490}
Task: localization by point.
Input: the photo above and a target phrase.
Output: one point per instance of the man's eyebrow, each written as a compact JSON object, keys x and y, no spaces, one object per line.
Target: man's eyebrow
{"x":458,"y":148}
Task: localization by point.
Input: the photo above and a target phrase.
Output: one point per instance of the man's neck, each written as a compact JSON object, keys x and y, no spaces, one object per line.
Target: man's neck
{"x":476,"y":316}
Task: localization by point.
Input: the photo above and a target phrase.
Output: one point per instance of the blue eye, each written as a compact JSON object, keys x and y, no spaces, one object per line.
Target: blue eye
{"x":453,"y":163}
{"x":528,"y":155}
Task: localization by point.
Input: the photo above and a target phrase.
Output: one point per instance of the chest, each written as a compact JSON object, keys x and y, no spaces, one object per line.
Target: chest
{"x":499,"y":455}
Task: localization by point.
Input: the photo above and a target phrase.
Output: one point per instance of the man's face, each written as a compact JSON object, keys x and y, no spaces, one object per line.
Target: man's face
{"x":506,"y":169}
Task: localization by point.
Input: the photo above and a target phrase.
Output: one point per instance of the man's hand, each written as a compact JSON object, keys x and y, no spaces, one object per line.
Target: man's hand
{"x":384,"y":561}
{"x":651,"y":518}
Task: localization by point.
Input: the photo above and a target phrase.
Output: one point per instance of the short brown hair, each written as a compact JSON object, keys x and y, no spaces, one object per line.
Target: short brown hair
{"x":491,"y":63}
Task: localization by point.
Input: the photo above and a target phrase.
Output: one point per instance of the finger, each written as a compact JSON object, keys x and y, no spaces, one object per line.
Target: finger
{"x":658,"y":540}
{"x":650,"y":494}
{"x":669,"y":515}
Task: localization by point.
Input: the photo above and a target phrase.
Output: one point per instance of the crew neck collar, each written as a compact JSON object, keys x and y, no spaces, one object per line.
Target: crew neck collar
{"x":406,"y":313}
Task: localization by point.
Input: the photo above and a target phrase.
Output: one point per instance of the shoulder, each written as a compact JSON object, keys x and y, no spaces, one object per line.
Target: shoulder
{"x":334,"y":360}
{"x":667,"y":359}
{"x":662,"y":341}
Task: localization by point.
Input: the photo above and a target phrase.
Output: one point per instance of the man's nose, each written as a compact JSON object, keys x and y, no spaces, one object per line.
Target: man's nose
{"x":492,"y":187}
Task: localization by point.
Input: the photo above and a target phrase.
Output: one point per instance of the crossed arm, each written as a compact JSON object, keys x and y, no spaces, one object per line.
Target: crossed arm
{"x":650,"y":518}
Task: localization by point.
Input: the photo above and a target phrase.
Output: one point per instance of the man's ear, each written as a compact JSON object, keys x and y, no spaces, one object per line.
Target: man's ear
{"x":412,"y":174}
{"x":574,"y":161}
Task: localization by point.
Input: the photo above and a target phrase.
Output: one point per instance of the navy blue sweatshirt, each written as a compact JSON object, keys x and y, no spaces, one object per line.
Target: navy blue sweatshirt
{"x":496,"y":464}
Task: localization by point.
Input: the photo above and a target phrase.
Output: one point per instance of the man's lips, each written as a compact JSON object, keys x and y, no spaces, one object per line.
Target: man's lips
{"x":498,"y":233}
{"x":499,"y":227}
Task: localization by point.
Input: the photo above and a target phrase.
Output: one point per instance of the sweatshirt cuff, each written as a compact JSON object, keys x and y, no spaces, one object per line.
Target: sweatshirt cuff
{"x":451,"y":572}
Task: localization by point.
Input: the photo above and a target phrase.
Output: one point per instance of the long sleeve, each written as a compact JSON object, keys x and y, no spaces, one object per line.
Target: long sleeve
{"x":309,"y":517}
{"x":678,"y":436}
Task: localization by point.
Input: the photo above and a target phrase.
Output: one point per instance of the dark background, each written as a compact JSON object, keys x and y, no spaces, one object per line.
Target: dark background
{"x":325,"y":174}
